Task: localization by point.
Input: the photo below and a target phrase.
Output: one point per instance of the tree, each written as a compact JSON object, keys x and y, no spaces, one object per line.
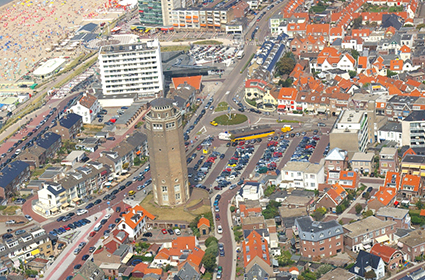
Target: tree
{"x":420,"y":26}
{"x":390,"y":73}
{"x":286,"y":83}
{"x":232,"y":208}
{"x":210,"y":240}
{"x":284,"y":259}
{"x":355,"y":54}
{"x":285,"y":65}
{"x":416,"y":220}
{"x":419,"y":204}
{"x":137,"y":161}
{"x":209,"y":262}
{"x":366,"y":195}
{"x":271,"y":210}
{"x":368,"y":213}
{"x":319,"y":213}
{"x":359,"y":208}
{"x":352,"y":73}
{"x":370,"y":274}
{"x":339,"y":209}
{"x":357,"y":23}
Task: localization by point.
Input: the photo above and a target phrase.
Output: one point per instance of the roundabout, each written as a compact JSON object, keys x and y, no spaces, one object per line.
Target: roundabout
{"x":231,"y":119}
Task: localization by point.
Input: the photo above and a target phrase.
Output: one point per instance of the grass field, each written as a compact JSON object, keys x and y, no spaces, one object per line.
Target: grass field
{"x":222,"y":106}
{"x":168,"y":213}
{"x":10,"y":210}
{"x":174,"y":48}
{"x":235,"y":119}
{"x":208,"y":42}
{"x":287,"y":121}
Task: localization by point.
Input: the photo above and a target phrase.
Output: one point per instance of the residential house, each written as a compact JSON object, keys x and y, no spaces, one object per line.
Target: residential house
{"x":400,"y":216}
{"x":256,"y":251}
{"x":12,"y":177}
{"x":286,"y":99}
{"x":302,"y":175}
{"x":336,"y":160}
{"x":261,"y":92}
{"x":87,"y":107}
{"x":109,"y":258}
{"x":256,"y":272}
{"x":317,"y":30}
{"x":346,"y":179}
{"x":385,"y":196}
{"x":133,"y":222}
{"x":400,"y":107}
{"x":411,"y":186}
{"x":368,"y":266}
{"x":332,"y":198}
{"x":413,"y":244}
{"x":319,"y":239}
{"x":84,"y":181}
{"x":89,"y":144}
{"x":362,"y":162}
{"x":392,"y":257}
{"x":352,"y":43}
{"x":390,"y":131}
{"x":184,"y":96}
{"x":120,"y":158}
{"x":68,"y":126}
{"x":35,"y":156}
{"x":405,"y":53}
{"x":187,"y":272}
{"x":338,"y":273}
{"x":250,"y":191}
{"x":183,"y":249}
{"x":50,"y":142}
{"x":51,"y":199}
{"x":413,"y":164}
{"x":363,"y":234}
{"x":89,"y":271}
{"x":307,"y":44}
{"x":34,"y":243}
{"x":142,"y":270}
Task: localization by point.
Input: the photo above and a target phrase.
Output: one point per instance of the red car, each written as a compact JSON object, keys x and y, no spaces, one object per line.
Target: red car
{"x":164,"y":231}
{"x":310,"y":146}
{"x":66,"y":228}
{"x":93,"y":233}
{"x":199,"y":147}
{"x":241,"y":143}
{"x":316,"y":138}
{"x":218,"y":188}
{"x":277,"y":154}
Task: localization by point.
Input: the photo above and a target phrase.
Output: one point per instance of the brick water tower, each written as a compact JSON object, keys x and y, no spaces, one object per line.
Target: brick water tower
{"x":167,"y":153}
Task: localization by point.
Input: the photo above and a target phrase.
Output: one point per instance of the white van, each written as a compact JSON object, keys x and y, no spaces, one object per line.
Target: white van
{"x":97,"y":227}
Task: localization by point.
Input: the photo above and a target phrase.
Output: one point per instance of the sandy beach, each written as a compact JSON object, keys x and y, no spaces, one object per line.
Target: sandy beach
{"x":30,"y":27}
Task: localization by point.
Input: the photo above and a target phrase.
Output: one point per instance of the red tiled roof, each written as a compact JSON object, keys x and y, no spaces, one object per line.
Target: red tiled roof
{"x":87,"y":100}
{"x":411,"y":181}
{"x":194,"y":81}
{"x":133,"y":213}
{"x":203,"y":221}
{"x":383,"y":251}
{"x":255,"y":246}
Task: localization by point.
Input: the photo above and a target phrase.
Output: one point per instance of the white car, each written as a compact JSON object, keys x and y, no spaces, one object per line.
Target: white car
{"x":81,"y":212}
{"x":177,"y":231}
{"x":10,"y":222}
{"x":107,"y":216}
{"x":219,"y":229}
{"x":28,"y":217}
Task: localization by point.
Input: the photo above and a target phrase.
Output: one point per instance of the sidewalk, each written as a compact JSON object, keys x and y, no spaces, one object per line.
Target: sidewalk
{"x":66,"y":258}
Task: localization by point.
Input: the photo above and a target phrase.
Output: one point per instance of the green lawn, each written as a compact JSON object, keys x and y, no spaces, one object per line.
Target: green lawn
{"x":208,"y":42}
{"x":287,"y":121}
{"x":235,"y":119}
{"x":222,"y":106}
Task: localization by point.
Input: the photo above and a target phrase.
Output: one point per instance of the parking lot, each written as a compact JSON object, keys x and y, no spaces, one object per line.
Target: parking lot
{"x":216,"y":54}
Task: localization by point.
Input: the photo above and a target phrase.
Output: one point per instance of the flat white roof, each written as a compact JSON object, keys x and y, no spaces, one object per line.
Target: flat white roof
{"x":49,"y":66}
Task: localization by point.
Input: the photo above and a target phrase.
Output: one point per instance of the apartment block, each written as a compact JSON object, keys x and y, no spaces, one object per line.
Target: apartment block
{"x":413,"y":129}
{"x":214,"y":19}
{"x":131,"y":69}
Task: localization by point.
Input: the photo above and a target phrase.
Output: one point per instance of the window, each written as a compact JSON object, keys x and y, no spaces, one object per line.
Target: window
{"x":338,"y":243}
{"x":177,"y":188}
{"x":383,"y":231}
{"x":339,"y":236}
{"x":177,"y":195}
{"x":165,"y":197}
{"x":323,"y":248}
{"x":321,"y":242}
{"x":164,"y":188}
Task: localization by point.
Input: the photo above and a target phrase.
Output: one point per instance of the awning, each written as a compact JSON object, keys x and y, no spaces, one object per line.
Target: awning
{"x":321,"y":109}
{"x":65,"y":205}
{"x":54,"y":209}
{"x":281,"y":106}
{"x":382,"y":238}
{"x":108,"y":184}
{"x":127,"y":258}
{"x":76,"y":199}
{"x":138,"y":152}
{"x":104,"y":172}
{"x":35,"y":252}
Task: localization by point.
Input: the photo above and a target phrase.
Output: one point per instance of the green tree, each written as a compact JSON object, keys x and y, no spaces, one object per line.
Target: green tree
{"x":370,"y":274}
{"x":285,"y":83}
{"x":137,"y":161}
{"x":232,"y":208}
{"x":272,"y":209}
{"x":359,"y":208}
{"x":285,"y":65}
{"x":390,"y":73}
{"x":319,"y":213}
{"x":284,"y":259}
{"x":367,"y":195}
{"x":269,"y":190}
{"x":357,"y":23}
{"x":419,"y":204}
{"x":339,"y":209}
{"x":416,"y":220}
{"x":355,"y":54}
{"x":368,"y":213}
{"x":420,"y":26}
{"x":212,"y":249}
{"x":352,"y":73}
{"x":209,"y":262}
{"x":209,"y":240}
{"x":323,"y":269}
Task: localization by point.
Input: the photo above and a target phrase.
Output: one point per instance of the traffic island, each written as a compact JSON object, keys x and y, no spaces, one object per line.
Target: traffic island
{"x":230,"y":119}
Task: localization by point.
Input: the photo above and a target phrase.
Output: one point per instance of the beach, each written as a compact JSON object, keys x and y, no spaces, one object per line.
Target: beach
{"x":30,"y":28}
